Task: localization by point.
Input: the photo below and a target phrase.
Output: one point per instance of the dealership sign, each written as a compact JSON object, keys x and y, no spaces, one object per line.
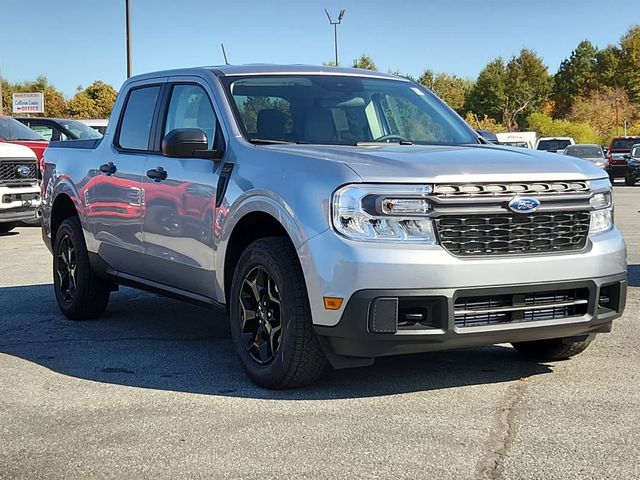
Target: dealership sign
{"x":28,"y":103}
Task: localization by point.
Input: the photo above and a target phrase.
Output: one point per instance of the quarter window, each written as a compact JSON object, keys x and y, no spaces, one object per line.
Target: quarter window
{"x":190,"y":108}
{"x":135,"y":128}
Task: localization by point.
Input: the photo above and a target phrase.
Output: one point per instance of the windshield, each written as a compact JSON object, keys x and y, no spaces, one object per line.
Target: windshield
{"x":12,"y":130}
{"x":80,"y":130}
{"x":341,"y":110}
{"x":585,"y":151}
{"x":624,"y":143}
{"x":553,"y":145}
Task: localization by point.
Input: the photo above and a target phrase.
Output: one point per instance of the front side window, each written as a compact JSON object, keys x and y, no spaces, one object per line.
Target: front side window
{"x":135,"y":128}
{"x":342,"y":110}
{"x":190,"y":108}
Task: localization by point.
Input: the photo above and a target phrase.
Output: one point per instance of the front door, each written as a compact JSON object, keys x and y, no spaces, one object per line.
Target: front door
{"x":180,"y":195}
{"x":114,"y":197}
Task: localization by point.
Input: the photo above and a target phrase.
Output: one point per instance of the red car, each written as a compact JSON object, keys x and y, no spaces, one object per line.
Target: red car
{"x":12,"y":131}
{"x":618,"y":149}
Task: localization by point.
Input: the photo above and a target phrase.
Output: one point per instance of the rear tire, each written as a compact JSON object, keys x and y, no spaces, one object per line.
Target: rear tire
{"x":628,"y":180}
{"x":553,"y":349}
{"x":271,"y":318}
{"x":6,"y":227}
{"x":80,"y":294}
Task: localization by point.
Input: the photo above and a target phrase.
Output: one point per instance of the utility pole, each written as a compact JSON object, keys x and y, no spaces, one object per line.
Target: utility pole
{"x":128,"y":36}
{"x":1,"y":93}
{"x":617,"y":124}
{"x":335,"y":29}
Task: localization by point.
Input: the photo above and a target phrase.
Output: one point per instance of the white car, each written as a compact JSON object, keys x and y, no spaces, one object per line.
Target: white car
{"x":554,"y":144}
{"x":19,"y":189}
{"x":99,"y":124}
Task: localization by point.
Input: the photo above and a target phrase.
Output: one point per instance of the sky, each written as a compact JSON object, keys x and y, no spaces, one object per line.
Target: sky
{"x":74,"y":42}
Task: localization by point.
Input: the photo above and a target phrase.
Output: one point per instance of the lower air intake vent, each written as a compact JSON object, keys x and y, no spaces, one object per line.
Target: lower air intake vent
{"x":476,"y":311}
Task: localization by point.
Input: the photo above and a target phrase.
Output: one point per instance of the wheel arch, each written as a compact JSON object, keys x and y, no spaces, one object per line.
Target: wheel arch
{"x":63,"y":207}
{"x":253,"y":217}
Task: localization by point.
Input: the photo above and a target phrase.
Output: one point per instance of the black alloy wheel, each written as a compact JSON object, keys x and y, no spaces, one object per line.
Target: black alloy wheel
{"x":260,"y":315}
{"x":80,"y":294}
{"x":66,"y":268}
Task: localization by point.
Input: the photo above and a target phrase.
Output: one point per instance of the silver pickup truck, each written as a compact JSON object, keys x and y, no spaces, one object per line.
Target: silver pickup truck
{"x":339,"y":215}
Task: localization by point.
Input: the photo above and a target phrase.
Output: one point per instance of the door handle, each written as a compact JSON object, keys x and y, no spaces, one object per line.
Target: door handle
{"x":157,"y":174}
{"x":108,"y":168}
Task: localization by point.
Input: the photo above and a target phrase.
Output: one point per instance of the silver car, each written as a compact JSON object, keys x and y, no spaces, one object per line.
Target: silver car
{"x":586,"y":151}
{"x":338,"y":215}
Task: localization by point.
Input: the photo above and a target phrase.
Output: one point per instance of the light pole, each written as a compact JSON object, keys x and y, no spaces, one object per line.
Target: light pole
{"x":335,"y":29}
{"x":128,"y":36}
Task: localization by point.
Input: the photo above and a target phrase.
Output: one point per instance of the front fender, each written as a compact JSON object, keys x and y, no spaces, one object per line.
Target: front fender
{"x":262,"y":201}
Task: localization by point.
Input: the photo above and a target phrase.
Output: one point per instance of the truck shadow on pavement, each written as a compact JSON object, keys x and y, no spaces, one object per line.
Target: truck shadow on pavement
{"x":148,"y":341}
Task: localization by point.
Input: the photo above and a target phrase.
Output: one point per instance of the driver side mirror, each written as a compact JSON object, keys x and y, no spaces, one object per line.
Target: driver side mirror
{"x":188,"y":143}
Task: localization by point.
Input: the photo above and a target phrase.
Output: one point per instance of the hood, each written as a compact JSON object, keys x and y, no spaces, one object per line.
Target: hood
{"x":450,"y":164}
{"x":37,"y":146}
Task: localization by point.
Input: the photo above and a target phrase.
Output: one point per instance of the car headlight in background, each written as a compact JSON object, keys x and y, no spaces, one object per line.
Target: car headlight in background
{"x":392,"y":213}
{"x":602,"y":203}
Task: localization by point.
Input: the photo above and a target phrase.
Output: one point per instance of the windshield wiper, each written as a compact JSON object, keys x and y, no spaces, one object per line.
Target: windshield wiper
{"x":374,"y":143}
{"x":269,"y":141}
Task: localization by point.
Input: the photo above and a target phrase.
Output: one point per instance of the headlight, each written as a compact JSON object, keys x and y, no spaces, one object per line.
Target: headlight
{"x":602,"y":203}
{"x":390,"y":213}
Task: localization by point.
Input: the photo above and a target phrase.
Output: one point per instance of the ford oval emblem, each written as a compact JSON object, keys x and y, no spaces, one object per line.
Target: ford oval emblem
{"x":24,"y":171}
{"x":524,"y":204}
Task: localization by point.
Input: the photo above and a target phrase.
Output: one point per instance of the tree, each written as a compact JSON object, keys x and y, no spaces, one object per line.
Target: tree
{"x":82,"y":106}
{"x":546,"y":126}
{"x":488,"y":94}
{"x":576,"y":77}
{"x":103,"y":96}
{"x":604,"y":110}
{"x":366,"y":62}
{"x":527,"y":88}
{"x":630,"y":62}
{"x":608,"y":66}
{"x":484,"y":123}
{"x":450,"y":88}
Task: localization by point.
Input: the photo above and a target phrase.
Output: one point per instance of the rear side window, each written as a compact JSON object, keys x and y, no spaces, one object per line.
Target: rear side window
{"x":135,"y":128}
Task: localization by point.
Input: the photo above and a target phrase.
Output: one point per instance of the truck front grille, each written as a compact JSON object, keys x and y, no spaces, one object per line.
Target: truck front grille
{"x":510,"y":189}
{"x":504,"y":234}
{"x":11,"y":172}
{"x":476,"y":311}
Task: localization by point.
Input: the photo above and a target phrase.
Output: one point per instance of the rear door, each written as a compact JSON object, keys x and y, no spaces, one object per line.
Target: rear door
{"x":178,"y":230}
{"x":114,"y":196}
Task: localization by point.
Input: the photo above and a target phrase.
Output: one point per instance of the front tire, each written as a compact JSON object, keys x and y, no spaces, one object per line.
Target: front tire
{"x":271,"y":318}
{"x":80,"y":294}
{"x":553,"y":349}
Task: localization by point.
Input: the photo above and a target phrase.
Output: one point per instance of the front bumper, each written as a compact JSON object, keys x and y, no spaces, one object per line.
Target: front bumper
{"x":617,"y":171}
{"x":356,"y":339}
{"x":19,"y":203}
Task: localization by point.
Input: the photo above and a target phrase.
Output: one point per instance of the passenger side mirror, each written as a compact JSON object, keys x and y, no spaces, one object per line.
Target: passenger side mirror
{"x":187,"y":143}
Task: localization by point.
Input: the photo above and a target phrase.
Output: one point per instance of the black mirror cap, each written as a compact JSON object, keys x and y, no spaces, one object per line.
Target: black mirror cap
{"x":187,"y":143}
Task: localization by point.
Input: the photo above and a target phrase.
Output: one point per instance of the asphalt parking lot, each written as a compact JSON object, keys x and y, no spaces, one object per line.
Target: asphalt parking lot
{"x":153,"y":390}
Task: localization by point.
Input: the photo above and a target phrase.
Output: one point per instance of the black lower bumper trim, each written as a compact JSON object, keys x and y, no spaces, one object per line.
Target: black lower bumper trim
{"x":352,"y":343}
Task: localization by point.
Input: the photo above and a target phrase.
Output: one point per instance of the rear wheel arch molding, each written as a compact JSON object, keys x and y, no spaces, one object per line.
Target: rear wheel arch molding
{"x":63,"y":207}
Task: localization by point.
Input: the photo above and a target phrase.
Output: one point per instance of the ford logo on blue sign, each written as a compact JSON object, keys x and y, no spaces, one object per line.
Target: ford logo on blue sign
{"x":524,"y":204}
{"x":24,"y":171}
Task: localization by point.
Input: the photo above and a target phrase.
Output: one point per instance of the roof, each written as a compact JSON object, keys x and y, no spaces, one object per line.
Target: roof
{"x":271,"y":69}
